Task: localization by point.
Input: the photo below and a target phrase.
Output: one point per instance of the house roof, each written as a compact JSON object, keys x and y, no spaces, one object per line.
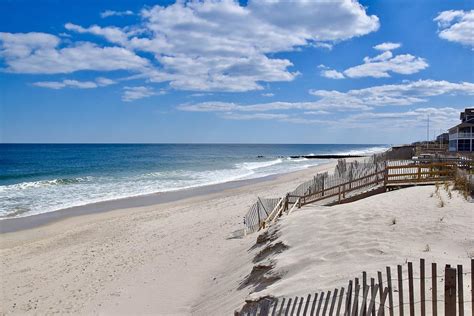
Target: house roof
{"x":465,"y":124}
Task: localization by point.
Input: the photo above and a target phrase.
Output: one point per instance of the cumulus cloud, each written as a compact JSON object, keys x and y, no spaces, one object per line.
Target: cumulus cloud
{"x":108,"y":13}
{"x":358,"y":100}
{"x":140,"y":92}
{"x":387,"y":46}
{"x":440,"y":118}
{"x":38,"y":53}
{"x":394,"y":94}
{"x":198,"y":46}
{"x":457,"y":26}
{"x":332,"y":74}
{"x":67,"y":83}
{"x":381,"y":65}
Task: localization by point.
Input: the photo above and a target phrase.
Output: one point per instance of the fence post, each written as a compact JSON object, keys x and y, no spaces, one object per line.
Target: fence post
{"x":411,"y":294}
{"x":472,"y":285}
{"x":449,"y":291}
{"x":434,"y":286}
{"x":422,"y":286}
{"x":400,"y":290}
{"x":339,"y":193}
{"x":419,"y":173}
{"x":390,"y":293}
{"x":347,"y":309}
{"x":381,"y":287}
{"x":460,"y":291}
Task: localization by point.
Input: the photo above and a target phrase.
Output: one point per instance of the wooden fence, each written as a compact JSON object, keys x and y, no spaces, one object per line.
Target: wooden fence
{"x":427,"y":294}
{"x":356,"y":181}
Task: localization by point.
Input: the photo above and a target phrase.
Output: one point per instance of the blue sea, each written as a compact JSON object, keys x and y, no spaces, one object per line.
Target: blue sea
{"x":39,"y":178}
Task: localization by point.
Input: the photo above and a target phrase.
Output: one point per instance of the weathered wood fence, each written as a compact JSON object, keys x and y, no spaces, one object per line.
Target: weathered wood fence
{"x":349,"y":183}
{"x":429,"y":293}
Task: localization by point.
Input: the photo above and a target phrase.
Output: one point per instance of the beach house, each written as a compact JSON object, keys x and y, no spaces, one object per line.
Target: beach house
{"x":461,"y":136}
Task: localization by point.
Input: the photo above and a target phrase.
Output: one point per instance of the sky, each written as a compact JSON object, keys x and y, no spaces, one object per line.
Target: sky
{"x":252,"y":71}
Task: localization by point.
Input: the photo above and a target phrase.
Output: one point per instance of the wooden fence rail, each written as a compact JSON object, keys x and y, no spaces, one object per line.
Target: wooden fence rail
{"x":364,"y":179}
{"x":377,"y":298}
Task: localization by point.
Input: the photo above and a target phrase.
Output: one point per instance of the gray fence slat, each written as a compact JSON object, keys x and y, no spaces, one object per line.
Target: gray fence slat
{"x":380,"y":277}
{"x":363,"y":306}
{"x":300,"y":306}
{"x":306,"y":306}
{"x":294,"y":306}
{"x":356,"y":300}
{"x":333,"y":303}
{"x":372,"y":299}
{"x":390,"y":291}
{"x":422,"y":287}
{"x":339,"y":304}
{"x":275,"y":307}
{"x":411,"y":293}
{"x":288,"y":306}
{"x":328,"y":297}
{"x":434,"y":290}
{"x":383,"y":297}
{"x":321,"y":299}
{"x":282,"y":306}
{"x":313,"y":307}
{"x":449,"y":291}
{"x":400,"y":289}
{"x":460,"y":291}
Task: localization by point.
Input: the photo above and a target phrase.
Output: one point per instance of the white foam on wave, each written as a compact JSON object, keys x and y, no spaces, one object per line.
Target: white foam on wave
{"x":365,"y":151}
{"x":43,"y":183}
{"x":259,"y":164}
{"x":35,"y":197}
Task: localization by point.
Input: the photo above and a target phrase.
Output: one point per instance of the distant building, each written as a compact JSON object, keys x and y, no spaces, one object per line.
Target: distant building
{"x":442,"y":138}
{"x":461,"y":136}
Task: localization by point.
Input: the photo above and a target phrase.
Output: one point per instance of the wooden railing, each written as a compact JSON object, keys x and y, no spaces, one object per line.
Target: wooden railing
{"x":420,"y":173}
{"x":381,"y":296}
{"x":332,"y":191}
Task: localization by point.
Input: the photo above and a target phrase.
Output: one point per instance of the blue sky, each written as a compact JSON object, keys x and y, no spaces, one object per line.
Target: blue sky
{"x":222,"y":71}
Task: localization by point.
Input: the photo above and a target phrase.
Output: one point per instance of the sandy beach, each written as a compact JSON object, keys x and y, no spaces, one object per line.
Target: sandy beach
{"x":168,"y":258}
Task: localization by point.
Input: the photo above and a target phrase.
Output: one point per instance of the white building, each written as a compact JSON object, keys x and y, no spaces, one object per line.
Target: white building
{"x":461,"y":136}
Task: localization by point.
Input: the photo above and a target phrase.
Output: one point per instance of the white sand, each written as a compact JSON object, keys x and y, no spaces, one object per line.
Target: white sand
{"x":171,"y":258}
{"x":175,"y":258}
{"x":330,"y":245}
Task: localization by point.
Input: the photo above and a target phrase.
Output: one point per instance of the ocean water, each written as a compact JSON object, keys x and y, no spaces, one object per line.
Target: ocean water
{"x":37,"y":178}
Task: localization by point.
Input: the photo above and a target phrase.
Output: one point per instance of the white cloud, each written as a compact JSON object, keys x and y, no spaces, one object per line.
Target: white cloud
{"x":440,"y":118}
{"x":111,"y":33}
{"x":38,"y":53}
{"x":404,"y":94}
{"x":200,"y":46}
{"x":332,"y":74}
{"x":387,"y":46}
{"x":101,"y":81}
{"x":268,"y":95}
{"x":67,"y":83}
{"x":108,"y":13}
{"x":218,"y":106}
{"x":381,"y":65}
{"x":140,"y":92}
{"x":457,"y":26}
{"x":254,"y":116}
{"x":395,"y":94}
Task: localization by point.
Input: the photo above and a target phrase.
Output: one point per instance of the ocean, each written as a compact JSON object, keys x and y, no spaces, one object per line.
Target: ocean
{"x":39,"y":178}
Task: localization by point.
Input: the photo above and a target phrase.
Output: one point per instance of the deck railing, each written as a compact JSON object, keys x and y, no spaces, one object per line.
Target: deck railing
{"x":355,"y":182}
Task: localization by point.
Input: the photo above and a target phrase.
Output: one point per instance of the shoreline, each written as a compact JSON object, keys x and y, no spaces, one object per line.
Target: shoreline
{"x":163,"y":258}
{"x":15,"y":224}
